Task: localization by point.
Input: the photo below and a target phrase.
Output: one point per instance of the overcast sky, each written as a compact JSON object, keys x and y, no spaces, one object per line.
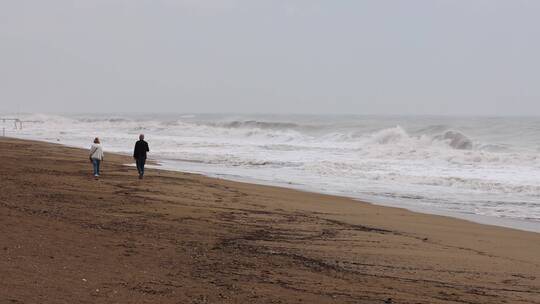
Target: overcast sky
{"x":332,"y":56}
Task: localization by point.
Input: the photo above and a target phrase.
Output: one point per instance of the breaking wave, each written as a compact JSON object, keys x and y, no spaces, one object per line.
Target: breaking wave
{"x":258,"y":125}
{"x":456,"y":140}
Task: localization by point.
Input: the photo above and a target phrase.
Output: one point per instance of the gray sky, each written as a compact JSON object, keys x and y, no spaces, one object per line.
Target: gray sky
{"x":333,"y":56}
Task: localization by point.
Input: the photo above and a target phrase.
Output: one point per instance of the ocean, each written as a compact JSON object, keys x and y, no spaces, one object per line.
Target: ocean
{"x":480,"y":168}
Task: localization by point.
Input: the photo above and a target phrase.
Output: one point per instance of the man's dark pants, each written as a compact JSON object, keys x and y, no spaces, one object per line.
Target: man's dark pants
{"x":140,"y":165}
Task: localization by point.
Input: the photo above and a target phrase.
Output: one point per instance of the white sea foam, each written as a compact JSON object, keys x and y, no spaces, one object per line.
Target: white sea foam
{"x":485,"y":166}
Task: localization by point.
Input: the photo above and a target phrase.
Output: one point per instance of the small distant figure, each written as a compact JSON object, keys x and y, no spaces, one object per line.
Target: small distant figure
{"x":96,"y":156}
{"x":139,"y":154}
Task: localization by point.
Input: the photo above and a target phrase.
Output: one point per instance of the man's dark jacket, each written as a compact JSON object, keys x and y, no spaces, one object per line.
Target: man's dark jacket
{"x":141,"y":147}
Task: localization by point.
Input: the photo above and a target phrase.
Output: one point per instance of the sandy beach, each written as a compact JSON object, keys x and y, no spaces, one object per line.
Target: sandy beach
{"x":184,"y":238}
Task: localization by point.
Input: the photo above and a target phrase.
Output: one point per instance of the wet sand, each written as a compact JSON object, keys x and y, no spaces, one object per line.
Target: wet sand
{"x":183,"y":238}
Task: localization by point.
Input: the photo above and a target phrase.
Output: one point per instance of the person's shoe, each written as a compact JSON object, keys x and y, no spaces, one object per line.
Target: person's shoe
{"x":140,"y":176}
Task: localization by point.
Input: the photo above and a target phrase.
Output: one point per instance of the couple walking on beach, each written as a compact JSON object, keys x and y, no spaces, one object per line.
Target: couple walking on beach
{"x":139,"y":154}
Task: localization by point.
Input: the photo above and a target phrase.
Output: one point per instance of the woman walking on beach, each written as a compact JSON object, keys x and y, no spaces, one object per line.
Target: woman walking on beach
{"x":96,"y":156}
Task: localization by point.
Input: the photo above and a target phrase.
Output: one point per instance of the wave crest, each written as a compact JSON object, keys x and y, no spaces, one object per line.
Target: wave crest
{"x":456,"y":140}
{"x":245,"y":124}
{"x":390,"y":136}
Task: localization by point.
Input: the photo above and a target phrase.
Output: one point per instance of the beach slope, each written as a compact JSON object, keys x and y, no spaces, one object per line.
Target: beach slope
{"x":182,"y":238}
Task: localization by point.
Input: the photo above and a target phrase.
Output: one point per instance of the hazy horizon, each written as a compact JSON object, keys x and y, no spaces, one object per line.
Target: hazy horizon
{"x":247,"y":114}
{"x":435,"y":58}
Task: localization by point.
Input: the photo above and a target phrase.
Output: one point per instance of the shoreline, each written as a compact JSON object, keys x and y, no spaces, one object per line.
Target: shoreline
{"x":512,"y":223}
{"x":178,"y":237}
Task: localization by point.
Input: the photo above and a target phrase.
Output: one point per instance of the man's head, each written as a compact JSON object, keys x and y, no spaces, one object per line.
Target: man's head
{"x":96,"y":140}
{"x":141,"y":137}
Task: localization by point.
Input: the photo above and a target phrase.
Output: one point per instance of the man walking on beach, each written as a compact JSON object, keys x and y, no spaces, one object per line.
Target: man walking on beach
{"x":141,"y":147}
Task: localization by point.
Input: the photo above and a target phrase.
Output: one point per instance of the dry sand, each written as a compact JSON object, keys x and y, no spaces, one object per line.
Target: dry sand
{"x":182,"y":238}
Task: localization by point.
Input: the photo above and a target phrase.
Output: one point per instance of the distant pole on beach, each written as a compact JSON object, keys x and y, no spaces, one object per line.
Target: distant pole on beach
{"x":15,"y":121}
